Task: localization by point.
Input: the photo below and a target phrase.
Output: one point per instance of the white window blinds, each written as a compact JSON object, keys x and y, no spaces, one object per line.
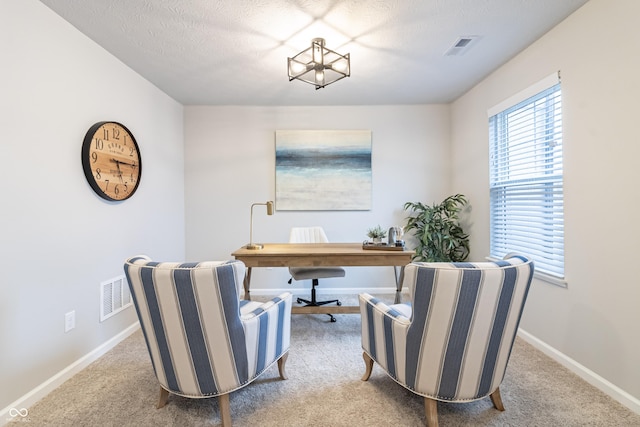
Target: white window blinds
{"x":526,"y":188}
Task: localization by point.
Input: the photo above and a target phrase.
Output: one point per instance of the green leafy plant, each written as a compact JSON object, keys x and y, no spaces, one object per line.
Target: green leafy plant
{"x":438,"y":231}
{"x":376,"y":233}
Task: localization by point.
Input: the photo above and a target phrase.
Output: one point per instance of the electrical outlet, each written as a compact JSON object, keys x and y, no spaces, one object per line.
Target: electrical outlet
{"x":69,"y":320}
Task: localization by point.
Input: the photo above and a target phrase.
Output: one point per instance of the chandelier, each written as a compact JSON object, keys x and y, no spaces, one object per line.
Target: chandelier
{"x":318,"y":65}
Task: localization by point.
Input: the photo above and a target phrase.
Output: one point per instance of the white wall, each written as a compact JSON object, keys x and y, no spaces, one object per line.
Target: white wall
{"x":595,"y":320}
{"x":230,"y":164}
{"x":58,"y":240}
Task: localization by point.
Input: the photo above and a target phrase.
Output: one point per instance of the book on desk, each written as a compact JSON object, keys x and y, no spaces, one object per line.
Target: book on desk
{"x":382,"y":246}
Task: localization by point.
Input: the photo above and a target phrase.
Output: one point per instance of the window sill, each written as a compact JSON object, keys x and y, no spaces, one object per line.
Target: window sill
{"x":553,"y":280}
{"x":557,"y":281}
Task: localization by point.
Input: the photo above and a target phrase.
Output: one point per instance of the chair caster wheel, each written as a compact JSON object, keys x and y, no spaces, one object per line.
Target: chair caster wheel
{"x":299,"y":301}
{"x":338,"y":303}
{"x":333,"y":319}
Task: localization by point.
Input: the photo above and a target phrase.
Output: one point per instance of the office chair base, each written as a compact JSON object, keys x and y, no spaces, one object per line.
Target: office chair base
{"x":317,"y":303}
{"x":313,"y":302}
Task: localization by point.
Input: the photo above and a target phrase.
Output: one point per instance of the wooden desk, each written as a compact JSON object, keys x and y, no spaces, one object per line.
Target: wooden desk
{"x":321,"y":255}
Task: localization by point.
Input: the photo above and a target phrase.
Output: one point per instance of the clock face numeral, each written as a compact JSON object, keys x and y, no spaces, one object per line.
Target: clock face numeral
{"x":111,"y":161}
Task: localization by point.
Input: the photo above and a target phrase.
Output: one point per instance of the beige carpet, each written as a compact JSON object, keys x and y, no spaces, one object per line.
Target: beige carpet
{"x":323,"y":389}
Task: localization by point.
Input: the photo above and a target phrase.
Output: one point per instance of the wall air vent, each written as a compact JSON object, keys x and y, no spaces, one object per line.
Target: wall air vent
{"x":462,"y":45}
{"x":114,"y":297}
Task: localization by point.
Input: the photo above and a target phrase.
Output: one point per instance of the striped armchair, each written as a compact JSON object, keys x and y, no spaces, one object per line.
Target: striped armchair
{"x":453,"y":341}
{"x":203,"y":340}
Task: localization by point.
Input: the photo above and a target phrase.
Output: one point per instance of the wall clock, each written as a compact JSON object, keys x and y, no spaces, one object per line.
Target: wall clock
{"x":111,"y":160}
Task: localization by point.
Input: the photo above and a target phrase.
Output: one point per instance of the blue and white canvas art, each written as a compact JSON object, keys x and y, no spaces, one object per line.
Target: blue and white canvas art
{"x":318,"y":170}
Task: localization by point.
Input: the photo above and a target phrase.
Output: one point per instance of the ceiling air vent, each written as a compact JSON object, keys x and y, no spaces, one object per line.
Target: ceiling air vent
{"x":461,"y":46}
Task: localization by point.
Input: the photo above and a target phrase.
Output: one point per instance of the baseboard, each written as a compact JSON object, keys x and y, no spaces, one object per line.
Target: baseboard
{"x":323,"y":291}
{"x":18,"y":408}
{"x":586,"y":374}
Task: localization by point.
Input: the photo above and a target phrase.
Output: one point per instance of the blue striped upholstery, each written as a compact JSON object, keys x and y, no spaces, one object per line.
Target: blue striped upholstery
{"x":203,"y":340}
{"x":453,"y":342}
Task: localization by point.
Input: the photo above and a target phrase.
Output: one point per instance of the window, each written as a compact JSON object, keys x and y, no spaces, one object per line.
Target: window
{"x":526,"y":188}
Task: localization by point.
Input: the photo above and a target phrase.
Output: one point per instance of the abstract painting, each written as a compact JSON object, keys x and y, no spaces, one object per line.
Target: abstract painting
{"x":319,"y":170}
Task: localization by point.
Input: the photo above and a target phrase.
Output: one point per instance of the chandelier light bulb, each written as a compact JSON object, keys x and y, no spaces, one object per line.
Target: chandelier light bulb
{"x":296,"y":67}
{"x":339,"y":65}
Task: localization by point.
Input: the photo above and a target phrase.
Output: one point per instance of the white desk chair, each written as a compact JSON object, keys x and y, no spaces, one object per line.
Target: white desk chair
{"x":313,"y":235}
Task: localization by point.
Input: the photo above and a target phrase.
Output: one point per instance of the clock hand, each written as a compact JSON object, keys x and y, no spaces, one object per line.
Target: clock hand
{"x":118,"y":167}
{"x":123,"y":163}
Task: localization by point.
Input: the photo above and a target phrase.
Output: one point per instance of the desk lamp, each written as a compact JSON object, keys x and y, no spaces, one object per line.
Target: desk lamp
{"x":251,"y":245}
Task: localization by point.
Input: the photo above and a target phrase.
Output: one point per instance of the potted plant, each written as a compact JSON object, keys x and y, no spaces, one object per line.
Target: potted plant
{"x":376,"y":234}
{"x":438,"y":231}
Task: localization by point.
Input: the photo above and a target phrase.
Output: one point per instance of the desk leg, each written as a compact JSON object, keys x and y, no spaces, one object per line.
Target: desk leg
{"x":247,"y":284}
{"x":399,"y":280}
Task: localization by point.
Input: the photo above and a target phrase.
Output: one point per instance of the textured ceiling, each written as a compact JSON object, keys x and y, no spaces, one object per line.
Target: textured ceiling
{"x":234,"y":52}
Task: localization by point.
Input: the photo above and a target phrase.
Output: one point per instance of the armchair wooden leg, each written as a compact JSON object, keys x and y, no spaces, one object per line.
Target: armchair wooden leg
{"x":368,"y":363}
{"x":281,"y":363}
{"x":164,"y":396}
{"x":225,"y":410}
{"x":431,"y":411}
{"x":497,"y":400}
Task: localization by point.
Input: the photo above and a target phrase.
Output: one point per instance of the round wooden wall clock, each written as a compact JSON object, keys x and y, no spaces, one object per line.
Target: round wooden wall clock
{"x":111,"y":160}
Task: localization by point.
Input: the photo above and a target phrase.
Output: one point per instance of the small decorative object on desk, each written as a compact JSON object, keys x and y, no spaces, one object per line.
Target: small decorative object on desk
{"x":395,"y":236}
{"x":376,"y":234}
